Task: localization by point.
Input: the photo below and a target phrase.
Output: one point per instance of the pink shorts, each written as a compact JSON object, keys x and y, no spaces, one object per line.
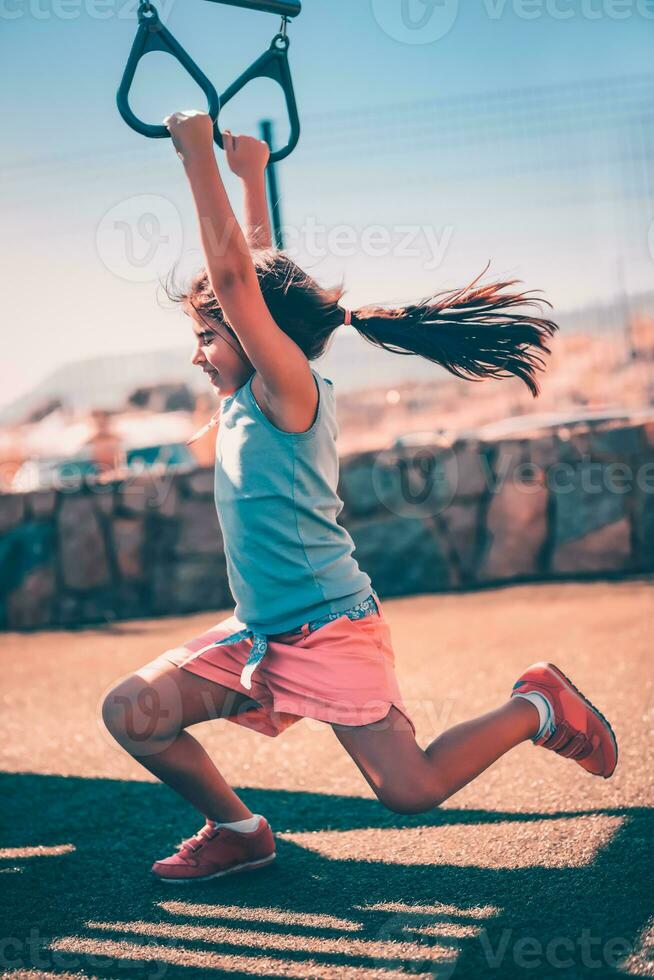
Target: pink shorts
{"x":342,"y":673}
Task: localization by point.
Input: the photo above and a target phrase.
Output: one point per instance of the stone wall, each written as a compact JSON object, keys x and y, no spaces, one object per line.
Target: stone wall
{"x":571,"y":502}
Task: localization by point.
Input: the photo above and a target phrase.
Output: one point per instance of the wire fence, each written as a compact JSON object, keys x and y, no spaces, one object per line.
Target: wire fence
{"x":554,"y":183}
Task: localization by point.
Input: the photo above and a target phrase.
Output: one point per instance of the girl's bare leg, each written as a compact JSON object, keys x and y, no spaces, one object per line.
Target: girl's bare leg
{"x":409,"y":779}
{"x":147,"y":715}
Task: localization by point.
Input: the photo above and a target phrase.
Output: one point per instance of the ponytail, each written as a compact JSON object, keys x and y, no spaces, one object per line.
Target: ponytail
{"x":471,"y":332}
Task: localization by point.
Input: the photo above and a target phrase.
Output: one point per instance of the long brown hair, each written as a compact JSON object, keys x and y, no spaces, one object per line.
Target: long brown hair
{"x":478,"y":332}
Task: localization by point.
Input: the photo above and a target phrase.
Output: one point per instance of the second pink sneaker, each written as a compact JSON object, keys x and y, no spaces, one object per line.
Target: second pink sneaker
{"x":216,"y":851}
{"x":576,"y":730}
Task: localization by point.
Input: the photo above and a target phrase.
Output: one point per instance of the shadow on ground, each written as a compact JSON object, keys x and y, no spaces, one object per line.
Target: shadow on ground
{"x":75,"y":858}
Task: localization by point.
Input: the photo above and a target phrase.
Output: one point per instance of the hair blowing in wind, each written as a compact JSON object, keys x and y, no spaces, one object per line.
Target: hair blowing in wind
{"x":477,"y":332}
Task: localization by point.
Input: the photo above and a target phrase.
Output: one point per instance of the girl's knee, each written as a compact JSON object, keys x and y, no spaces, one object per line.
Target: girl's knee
{"x":403,"y":798}
{"x":138,"y":712}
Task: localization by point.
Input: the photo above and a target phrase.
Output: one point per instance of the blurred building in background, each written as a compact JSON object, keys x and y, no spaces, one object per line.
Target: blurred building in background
{"x":59,"y":448}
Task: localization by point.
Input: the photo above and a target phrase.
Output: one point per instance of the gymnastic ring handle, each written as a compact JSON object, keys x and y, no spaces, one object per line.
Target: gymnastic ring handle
{"x":273,"y":63}
{"x":151,"y":35}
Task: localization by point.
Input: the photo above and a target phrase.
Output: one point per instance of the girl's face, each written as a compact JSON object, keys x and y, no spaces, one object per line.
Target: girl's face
{"x":220,"y":356}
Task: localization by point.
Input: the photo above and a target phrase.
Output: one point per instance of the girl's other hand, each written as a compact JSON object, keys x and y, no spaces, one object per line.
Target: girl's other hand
{"x":191,"y":131}
{"x":247,"y":157}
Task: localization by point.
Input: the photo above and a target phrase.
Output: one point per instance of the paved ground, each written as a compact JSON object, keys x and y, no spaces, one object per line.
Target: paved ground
{"x":536,"y":870}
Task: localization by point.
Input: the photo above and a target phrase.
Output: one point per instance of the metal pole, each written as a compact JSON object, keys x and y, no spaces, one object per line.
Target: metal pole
{"x":273,"y":193}
{"x":626,"y":311}
{"x":285,"y":8}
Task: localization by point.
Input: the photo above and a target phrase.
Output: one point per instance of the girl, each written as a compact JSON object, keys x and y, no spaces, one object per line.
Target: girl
{"x":308,"y":636}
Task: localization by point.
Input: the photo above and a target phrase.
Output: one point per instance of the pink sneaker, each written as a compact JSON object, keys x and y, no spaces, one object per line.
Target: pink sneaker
{"x":577,"y":730}
{"x":217,"y":851}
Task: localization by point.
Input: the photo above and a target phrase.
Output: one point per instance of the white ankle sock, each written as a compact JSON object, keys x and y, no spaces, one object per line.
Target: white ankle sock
{"x":544,"y":709}
{"x":242,"y":826}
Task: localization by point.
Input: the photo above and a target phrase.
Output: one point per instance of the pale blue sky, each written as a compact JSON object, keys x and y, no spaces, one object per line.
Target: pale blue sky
{"x":552,"y":180}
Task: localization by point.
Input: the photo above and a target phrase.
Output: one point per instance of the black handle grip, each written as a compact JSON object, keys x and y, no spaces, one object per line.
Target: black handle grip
{"x":273,"y":63}
{"x":285,"y":8}
{"x":153,"y":36}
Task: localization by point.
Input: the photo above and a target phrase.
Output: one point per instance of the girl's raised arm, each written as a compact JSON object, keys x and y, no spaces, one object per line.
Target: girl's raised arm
{"x":285,"y":373}
{"x":247,"y":158}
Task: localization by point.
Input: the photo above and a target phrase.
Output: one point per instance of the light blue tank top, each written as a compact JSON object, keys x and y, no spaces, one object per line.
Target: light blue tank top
{"x":288,"y":560}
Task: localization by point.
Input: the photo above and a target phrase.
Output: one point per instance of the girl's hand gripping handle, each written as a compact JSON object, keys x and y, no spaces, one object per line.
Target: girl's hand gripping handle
{"x":247,"y":156}
{"x":191,"y":132}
